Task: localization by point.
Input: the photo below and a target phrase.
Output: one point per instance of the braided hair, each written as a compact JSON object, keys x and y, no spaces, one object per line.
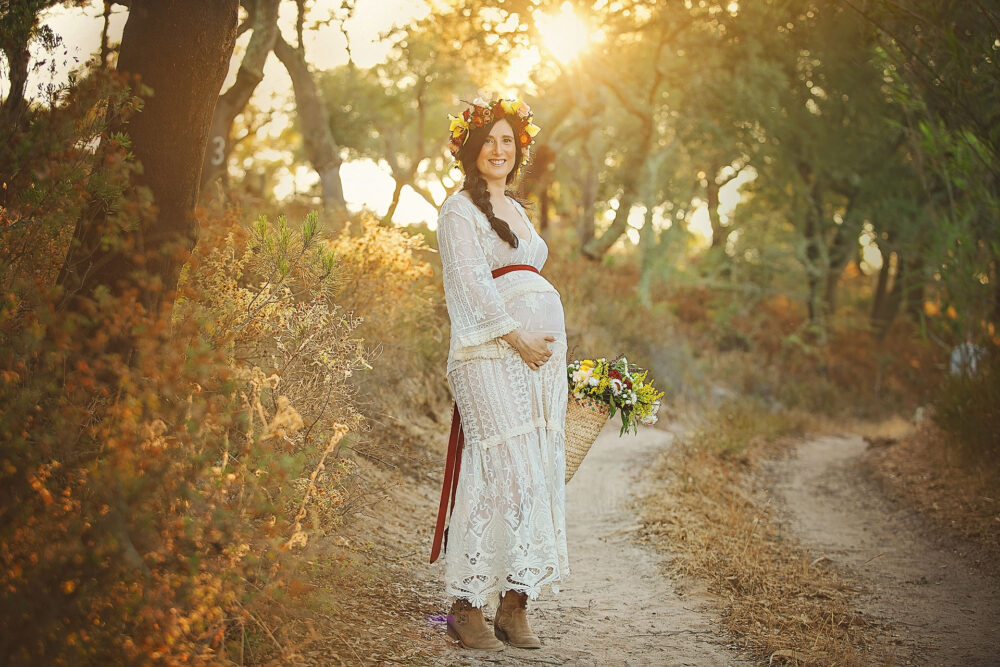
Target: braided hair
{"x":475,"y":184}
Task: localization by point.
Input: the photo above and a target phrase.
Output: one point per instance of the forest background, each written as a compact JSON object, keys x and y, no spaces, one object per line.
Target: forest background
{"x":212,"y":355}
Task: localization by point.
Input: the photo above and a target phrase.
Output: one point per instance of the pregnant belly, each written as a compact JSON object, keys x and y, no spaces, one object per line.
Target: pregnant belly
{"x":539,"y":311}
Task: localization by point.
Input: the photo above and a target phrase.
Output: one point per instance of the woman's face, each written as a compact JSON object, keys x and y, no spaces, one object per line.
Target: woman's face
{"x":496,"y":157}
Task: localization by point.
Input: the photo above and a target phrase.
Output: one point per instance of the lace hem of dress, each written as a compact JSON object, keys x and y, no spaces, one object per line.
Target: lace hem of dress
{"x":491,"y":598}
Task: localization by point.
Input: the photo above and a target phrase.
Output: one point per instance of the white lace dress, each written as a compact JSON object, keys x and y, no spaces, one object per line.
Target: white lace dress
{"x":508,"y":526}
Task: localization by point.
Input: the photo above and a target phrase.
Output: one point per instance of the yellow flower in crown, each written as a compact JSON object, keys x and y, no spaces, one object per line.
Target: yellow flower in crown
{"x":458,"y":125}
{"x":481,"y":113}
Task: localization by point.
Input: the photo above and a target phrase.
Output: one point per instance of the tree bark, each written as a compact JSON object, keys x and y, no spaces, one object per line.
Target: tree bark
{"x":105,"y":29}
{"x":896,"y":295}
{"x":813,"y":270}
{"x":712,"y":195}
{"x":233,"y":101}
{"x":596,"y":248}
{"x":647,"y":249}
{"x":396,"y":192}
{"x":814,"y":256}
{"x":588,"y":194}
{"x":890,"y":292}
{"x":720,"y":234}
{"x":15,"y":35}
{"x":877,"y":319}
{"x":913,"y":289}
{"x":180,"y":49}
{"x":320,"y":147}
{"x":838,"y":256}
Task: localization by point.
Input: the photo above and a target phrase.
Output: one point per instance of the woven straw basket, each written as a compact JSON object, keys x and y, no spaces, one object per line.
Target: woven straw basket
{"x":584,"y":420}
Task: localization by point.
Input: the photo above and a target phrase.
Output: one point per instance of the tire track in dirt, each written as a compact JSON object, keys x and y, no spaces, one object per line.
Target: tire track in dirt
{"x":946,"y":612}
{"x":615,"y":608}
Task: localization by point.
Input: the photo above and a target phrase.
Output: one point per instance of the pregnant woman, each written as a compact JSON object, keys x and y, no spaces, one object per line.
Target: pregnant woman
{"x":506,"y":538}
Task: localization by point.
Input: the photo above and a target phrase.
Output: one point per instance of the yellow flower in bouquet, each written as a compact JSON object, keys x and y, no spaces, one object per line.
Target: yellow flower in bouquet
{"x":621,"y":386}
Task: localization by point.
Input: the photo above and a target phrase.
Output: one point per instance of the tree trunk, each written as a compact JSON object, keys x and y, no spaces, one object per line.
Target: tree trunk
{"x":812,"y":267}
{"x":15,"y":35}
{"x":889,"y":294}
{"x":896,"y":294}
{"x":647,"y":249}
{"x":320,"y":147}
{"x":181,"y":50}
{"x":877,"y":319}
{"x":396,"y":192}
{"x":596,"y":248}
{"x":588,"y":195}
{"x":545,"y":202}
{"x":816,"y":262}
{"x":914,"y":288}
{"x":838,"y":256}
{"x":105,"y":57}
{"x":712,"y":195}
{"x":233,"y":101}
{"x":720,"y":234}
{"x":641,"y":110}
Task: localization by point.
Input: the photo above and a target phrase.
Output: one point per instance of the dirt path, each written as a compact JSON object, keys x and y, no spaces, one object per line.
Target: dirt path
{"x":947,"y":613}
{"x":616,"y":608}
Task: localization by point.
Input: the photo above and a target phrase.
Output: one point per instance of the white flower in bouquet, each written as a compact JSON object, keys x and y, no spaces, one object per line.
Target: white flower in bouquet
{"x":652,"y":417}
{"x":616,"y":386}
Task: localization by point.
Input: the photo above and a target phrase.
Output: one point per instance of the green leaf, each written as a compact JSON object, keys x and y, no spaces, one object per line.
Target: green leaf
{"x":309,"y":227}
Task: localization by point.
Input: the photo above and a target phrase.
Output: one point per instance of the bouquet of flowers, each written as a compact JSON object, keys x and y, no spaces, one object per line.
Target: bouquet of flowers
{"x":618,"y":386}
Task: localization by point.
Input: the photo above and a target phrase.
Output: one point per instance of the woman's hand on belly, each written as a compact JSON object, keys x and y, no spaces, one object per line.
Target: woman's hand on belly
{"x":532,"y":346}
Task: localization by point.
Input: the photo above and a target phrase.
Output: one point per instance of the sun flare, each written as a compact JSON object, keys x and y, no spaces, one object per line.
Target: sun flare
{"x":565,"y":34}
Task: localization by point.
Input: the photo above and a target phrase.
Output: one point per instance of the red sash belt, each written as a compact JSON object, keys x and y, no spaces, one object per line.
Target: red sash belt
{"x":456,"y":443}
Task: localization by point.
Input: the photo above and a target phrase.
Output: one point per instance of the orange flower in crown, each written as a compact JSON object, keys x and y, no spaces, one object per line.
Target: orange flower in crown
{"x":482,"y":113}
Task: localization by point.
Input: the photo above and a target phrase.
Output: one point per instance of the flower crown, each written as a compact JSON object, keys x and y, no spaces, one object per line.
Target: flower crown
{"x":517,"y":112}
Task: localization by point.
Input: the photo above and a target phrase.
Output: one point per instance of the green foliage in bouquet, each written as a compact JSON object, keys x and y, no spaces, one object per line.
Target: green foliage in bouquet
{"x":621,"y":386}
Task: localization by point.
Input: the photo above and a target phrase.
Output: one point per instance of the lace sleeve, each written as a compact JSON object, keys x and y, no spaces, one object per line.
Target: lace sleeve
{"x":474,"y":306}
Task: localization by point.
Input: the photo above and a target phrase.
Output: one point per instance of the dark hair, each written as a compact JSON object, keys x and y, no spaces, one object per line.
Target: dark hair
{"x":476,"y":184}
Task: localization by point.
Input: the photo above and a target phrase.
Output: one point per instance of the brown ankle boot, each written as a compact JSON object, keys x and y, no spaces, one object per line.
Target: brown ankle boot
{"x":511,"y":622}
{"x":467,"y":625}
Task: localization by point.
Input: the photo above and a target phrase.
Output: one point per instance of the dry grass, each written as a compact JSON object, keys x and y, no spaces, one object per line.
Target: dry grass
{"x":354,"y":598}
{"x":706,"y":510}
{"x":959,"y":494}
